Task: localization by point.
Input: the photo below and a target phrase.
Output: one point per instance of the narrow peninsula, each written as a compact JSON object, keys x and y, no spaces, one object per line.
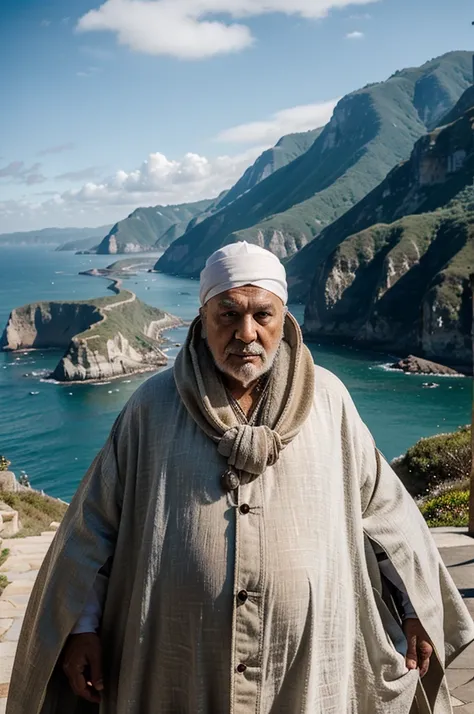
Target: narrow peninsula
{"x":103,"y":338}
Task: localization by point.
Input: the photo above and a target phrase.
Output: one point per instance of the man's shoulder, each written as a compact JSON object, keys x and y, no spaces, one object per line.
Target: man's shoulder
{"x":157,"y":391}
{"x":326,"y":382}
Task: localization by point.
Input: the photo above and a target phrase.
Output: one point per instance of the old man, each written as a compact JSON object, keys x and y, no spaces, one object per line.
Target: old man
{"x":239,"y":544}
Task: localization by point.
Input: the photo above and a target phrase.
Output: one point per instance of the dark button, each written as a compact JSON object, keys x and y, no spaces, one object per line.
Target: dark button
{"x":243,"y":595}
{"x":230,"y":480}
{"x":241,"y":668}
{"x":245,"y":508}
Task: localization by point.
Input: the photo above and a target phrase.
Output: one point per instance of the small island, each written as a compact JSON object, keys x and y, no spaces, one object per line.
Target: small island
{"x":103,"y":338}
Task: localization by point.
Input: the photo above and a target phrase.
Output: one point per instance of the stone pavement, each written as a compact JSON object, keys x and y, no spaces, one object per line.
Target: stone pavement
{"x":457,"y":551}
{"x":21,"y":569}
{"x":26,"y":556}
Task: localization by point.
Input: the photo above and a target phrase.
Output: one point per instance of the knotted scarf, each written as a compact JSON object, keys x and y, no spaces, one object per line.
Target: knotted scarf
{"x":288,"y":399}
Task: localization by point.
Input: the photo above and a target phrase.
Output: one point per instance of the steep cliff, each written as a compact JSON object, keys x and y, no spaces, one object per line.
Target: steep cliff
{"x":102,"y":338}
{"x":371,"y":131}
{"x":394,"y":271}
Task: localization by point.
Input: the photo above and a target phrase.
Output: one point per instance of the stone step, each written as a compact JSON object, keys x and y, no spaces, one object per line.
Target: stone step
{"x":22,"y":563}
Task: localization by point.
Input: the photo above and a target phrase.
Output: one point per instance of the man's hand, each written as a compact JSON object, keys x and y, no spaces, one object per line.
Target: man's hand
{"x":82,"y":665}
{"x":419,"y":646}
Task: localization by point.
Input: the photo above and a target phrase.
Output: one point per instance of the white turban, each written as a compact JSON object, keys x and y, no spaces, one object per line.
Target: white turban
{"x":240,"y":264}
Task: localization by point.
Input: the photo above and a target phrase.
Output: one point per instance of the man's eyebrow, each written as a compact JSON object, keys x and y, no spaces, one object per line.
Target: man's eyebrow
{"x":231,"y":304}
{"x":264,"y":307}
{"x":227,"y":302}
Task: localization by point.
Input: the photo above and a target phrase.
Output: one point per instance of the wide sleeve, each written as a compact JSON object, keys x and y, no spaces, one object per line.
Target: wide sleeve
{"x":391,"y":519}
{"x":83,"y":544}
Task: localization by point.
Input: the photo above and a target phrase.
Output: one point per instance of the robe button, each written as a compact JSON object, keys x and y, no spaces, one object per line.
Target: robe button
{"x":243,"y":595}
{"x":241,"y":668}
{"x":230,"y":480}
{"x":244,"y":509}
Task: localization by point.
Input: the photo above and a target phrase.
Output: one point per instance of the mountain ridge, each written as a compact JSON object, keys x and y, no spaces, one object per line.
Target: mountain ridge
{"x":51,"y":236}
{"x":371,"y":130}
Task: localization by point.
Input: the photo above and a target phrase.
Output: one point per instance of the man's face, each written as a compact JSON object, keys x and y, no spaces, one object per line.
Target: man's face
{"x":243,"y":328}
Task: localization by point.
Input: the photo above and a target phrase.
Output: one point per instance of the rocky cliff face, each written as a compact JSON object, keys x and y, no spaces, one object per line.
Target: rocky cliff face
{"x":47,"y":325}
{"x":106,"y":338}
{"x":402,"y":285}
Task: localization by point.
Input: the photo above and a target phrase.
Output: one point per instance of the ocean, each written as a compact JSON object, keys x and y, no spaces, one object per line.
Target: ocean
{"x":53,"y":432}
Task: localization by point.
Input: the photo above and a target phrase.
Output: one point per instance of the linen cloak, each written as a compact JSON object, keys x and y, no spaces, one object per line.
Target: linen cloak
{"x":313,"y":633}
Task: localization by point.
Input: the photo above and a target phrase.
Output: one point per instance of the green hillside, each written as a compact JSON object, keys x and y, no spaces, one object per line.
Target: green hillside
{"x":143,"y":229}
{"x":284,"y":152}
{"x":394,"y":271}
{"x":371,"y":131}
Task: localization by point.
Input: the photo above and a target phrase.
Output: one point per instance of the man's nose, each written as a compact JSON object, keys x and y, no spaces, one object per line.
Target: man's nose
{"x":246,"y":331}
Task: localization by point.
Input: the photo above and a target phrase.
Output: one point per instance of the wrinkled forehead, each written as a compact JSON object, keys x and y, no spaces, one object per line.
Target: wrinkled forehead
{"x":247,"y":298}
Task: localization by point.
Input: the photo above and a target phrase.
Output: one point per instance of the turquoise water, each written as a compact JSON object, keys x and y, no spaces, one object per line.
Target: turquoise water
{"x":54,"y":435}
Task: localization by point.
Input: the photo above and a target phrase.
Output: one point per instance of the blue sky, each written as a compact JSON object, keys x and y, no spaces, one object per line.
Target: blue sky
{"x":108,"y":106}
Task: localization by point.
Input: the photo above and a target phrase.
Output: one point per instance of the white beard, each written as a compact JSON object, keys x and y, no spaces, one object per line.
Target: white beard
{"x":248,"y":373}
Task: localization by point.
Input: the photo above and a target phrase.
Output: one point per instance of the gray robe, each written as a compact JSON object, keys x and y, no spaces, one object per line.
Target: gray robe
{"x":313,"y":635}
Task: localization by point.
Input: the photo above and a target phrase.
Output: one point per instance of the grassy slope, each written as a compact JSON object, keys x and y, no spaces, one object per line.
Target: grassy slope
{"x":130,"y":320}
{"x":399,"y":194}
{"x":36,"y":511}
{"x":145,"y":226}
{"x":420,"y":249}
{"x":289,"y":148}
{"x":371,"y":131}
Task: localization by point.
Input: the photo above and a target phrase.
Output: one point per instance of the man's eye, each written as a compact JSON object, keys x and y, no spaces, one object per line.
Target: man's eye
{"x":229,"y":314}
{"x":262,"y":315}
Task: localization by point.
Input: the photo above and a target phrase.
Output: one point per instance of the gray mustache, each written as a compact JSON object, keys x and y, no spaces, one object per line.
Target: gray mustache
{"x":240,"y":349}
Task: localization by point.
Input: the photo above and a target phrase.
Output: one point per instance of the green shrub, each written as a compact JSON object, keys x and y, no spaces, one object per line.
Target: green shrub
{"x":36,"y":511}
{"x":435,"y":460}
{"x":449,"y":509}
{"x":4,"y":553}
{"x":3,"y":582}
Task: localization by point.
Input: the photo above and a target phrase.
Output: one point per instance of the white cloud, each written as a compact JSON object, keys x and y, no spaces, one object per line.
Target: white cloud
{"x":185,"y":28}
{"x":90,"y":172}
{"x":18,"y":172}
{"x":45,"y":23}
{"x":286,"y":121}
{"x":356,"y":35}
{"x":163,"y":180}
{"x":159,"y":180}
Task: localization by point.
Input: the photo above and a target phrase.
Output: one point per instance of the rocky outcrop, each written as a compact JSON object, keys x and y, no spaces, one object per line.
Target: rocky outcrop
{"x":9,"y":521}
{"x":102,"y":338}
{"x":417,"y":365}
